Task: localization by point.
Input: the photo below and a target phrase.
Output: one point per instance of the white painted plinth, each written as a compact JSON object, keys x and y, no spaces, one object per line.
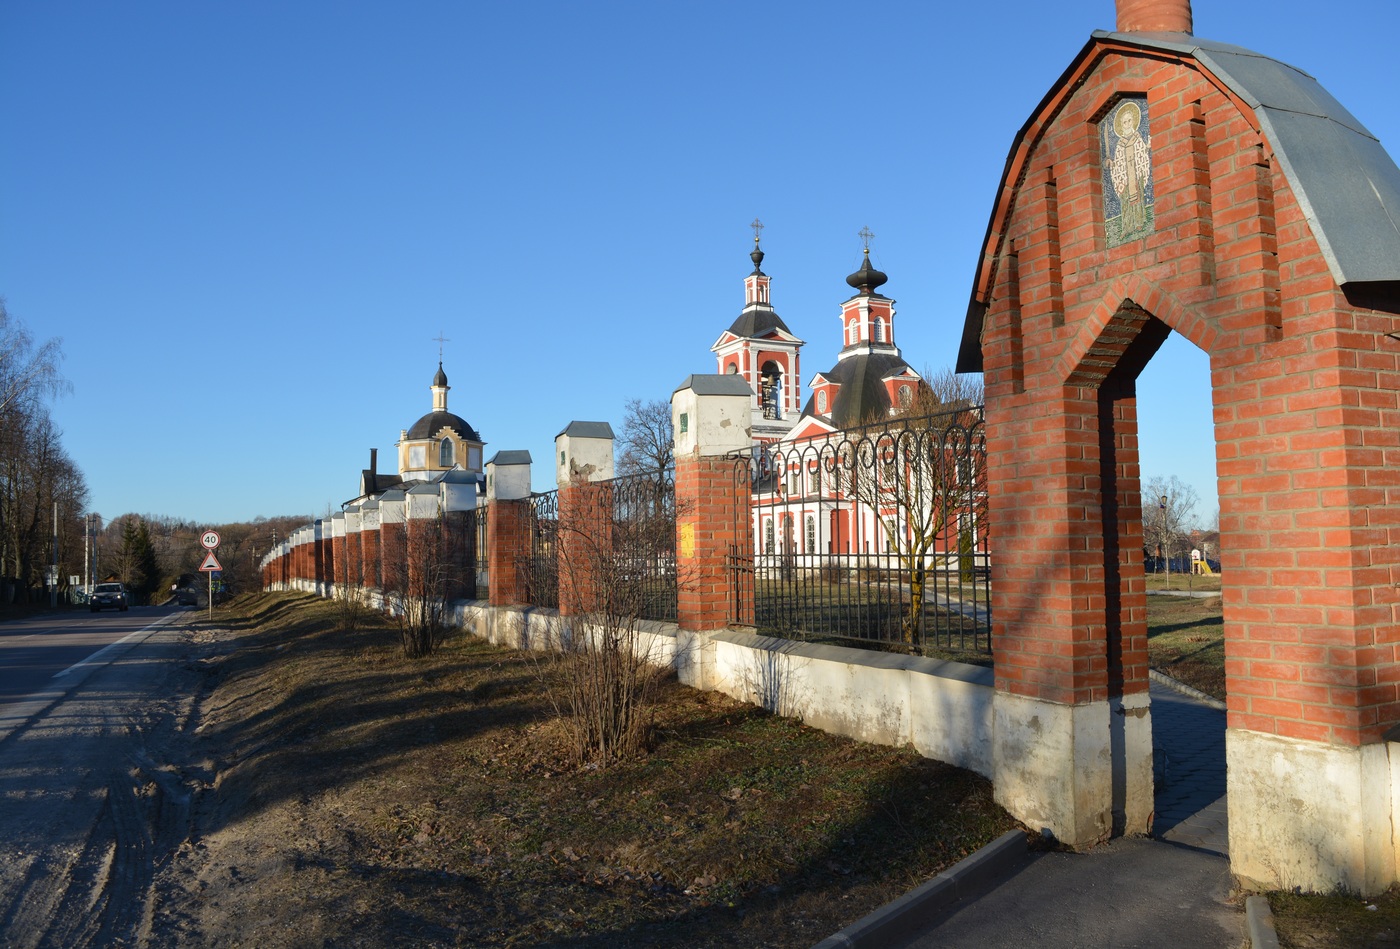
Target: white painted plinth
{"x":1310,"y":815}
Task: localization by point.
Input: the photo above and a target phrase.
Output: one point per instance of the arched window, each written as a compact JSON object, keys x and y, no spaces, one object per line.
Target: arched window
{"x":732,"y":368}
{"x":879,"y":330}
{"x":768,"y":536}
{"x":906,"y":396}
{"x":821,"y":401}
{"x":445,"y":454}
{"x":811,"y":534}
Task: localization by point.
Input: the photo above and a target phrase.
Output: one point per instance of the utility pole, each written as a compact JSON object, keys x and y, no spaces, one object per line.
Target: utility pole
{"x":53,"y":562}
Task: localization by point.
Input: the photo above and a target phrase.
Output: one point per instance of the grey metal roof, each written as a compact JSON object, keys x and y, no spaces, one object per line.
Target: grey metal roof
{"x":434,"y":422}
{"x":587,"y":430}
{"x":862,"y":395}
{"x":730,"y":383}
{"x":1346,"y":184}
{"x":519,"y":457}
{"x":757,"y":321}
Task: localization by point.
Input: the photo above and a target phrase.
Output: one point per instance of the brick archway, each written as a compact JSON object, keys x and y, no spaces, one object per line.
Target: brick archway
{"x":1248,"y":243}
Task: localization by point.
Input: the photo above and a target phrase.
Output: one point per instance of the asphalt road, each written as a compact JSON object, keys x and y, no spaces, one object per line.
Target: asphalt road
{"x":94,"y":716}
{"x":35,"y":651}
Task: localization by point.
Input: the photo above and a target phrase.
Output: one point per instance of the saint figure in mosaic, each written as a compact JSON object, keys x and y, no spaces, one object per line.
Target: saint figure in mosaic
{"x":1127,"y":163}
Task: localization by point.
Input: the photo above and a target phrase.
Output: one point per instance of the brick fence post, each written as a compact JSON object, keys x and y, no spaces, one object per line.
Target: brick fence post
{"x":392,"y":541}
{"x":354,"y":553}
{"x":508,"y":527}
{"x":339,"y":575}
{"x":583,"y":463}
{"x":457,"y":496}
{"x":369,"y":544}
{"x":422,"y":511}
{"x":712,"y":419}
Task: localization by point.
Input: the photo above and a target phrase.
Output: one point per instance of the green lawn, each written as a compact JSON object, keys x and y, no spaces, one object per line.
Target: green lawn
{"x":1186,"y":640}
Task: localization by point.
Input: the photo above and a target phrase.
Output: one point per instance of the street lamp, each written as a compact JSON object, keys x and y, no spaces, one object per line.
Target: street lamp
{"x":1165,"y":545}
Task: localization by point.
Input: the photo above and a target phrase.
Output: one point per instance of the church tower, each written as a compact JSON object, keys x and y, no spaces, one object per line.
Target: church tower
{"x":439,"y":441}
{"x":870,"y":380}
{"x":759,"y":347}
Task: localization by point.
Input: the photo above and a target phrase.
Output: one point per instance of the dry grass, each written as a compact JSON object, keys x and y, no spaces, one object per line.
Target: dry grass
{"x":1337,"y":921}
{"x":382,"y":800}
{"x":1186,"y":640}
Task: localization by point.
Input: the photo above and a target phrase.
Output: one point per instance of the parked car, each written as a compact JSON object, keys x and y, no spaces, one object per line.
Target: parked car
{"x":109,"y":595}
{"x":188,"y":596}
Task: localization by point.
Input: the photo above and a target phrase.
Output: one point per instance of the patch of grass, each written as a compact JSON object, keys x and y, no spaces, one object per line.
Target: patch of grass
{"x":441,"y":790}
{"x":1186,"y":640}
{"x":1336,"y":921}
{"x":1209,"y":582}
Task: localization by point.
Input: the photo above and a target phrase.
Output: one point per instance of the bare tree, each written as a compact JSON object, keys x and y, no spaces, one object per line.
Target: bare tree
{"x":420,"y":585}
{"x":924,"y":480}
{"x":647,"y":443}
{"x":601,"y":677}
{"x":1168,"y":516}
{"x":27,"y":374}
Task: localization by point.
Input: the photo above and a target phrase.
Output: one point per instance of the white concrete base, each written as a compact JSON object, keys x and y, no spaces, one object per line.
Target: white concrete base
{"x":1082,"y":773}
{"x":1314,"y":816}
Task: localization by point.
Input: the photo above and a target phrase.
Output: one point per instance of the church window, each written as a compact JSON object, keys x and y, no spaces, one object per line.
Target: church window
{"x":445,"y":454}
{"x":906,"y":396}
{"x":732,"y":368}
{"x":811,"y":534}
{"x":768,"y":536}
{"x":879,"y":330}
{"x":821,"y":401}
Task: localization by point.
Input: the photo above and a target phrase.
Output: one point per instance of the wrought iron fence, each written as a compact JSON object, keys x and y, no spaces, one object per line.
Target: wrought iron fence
{"x":483,"y":552}
{"x":543,"y":580}
{"x":875,"y":533}
{"x":644,"y":542}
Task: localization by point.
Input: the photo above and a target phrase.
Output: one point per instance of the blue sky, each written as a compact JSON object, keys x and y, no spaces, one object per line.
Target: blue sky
{"x":248,"y":222}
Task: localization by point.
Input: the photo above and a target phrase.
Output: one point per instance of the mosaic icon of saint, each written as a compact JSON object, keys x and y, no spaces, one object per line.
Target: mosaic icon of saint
{"x":1131,"y":168}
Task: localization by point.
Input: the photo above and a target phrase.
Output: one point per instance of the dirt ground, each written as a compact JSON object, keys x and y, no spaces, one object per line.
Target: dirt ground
{"x":355,"y":798}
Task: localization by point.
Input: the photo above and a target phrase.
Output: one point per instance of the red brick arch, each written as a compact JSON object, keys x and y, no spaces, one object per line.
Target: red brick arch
{"x":1306,"y":395}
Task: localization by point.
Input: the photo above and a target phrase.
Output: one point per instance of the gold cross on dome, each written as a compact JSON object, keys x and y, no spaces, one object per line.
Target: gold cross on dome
{"x":440,"y":339}
{"x":865,"y":235}
{"x":757,"y":226}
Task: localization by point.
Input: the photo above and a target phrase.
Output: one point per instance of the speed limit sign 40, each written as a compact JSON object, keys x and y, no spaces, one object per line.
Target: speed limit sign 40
{"x":210,"y":539}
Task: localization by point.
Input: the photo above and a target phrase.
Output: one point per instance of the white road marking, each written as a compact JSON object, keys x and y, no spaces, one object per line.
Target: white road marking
{"x":108,"y":648}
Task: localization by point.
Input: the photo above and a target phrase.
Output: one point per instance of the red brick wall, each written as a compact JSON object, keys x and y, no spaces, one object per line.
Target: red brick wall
{"x":585,"y":546}
{"x":712,"y":516}
{"x":1307,"y":423}
{"x":507,"y":560}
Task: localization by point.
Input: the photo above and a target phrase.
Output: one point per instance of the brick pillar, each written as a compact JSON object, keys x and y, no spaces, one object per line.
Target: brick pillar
{"x":392,"y":541}
{"x":422,"y":511}
{"x":712,"y":419}
{"x":369,"y":544}
{"x":583,"y":454}
{"x":340,"y":579}
{"x":508,"y":527}
{"x":457,"y":497}
{"x":354,"y":554}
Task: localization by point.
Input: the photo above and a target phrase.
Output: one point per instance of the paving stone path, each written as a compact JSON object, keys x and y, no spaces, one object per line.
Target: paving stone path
{"x":1188,"y":738}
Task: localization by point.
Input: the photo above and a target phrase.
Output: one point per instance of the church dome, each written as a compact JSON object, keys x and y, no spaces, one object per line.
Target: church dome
{"x":867,"y":278}
{"x":434,"y":422}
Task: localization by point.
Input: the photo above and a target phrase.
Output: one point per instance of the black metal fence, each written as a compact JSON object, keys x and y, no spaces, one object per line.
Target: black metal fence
{"x":876,"y":533}
{"x":644,"y":541}
{"x":483,"y":552}
{"x":543,"y":580}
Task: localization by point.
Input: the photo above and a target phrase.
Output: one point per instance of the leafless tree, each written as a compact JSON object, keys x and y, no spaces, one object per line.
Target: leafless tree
{"x":1168,"y":515}
{"x":647,"y":443}
{"x":601,"y":676}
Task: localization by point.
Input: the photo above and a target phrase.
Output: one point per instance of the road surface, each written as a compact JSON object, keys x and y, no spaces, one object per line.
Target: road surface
{"x":94,"y":708}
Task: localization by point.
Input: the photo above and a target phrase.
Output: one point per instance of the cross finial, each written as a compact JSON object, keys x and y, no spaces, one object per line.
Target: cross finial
{"x":440,"y":339}
{"x":865,"y":235}
{"x":757,"y":226}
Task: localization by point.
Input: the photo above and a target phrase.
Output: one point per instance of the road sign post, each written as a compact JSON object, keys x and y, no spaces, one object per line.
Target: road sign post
{"x":211,"y":564}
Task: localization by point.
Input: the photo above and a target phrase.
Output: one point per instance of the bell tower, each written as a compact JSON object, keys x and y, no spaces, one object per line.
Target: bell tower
{"x":760,"y":349}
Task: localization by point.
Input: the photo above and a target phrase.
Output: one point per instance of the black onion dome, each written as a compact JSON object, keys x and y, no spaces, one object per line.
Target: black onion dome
{"x":867,"y":277}
{"x":434,"y":422}
{"x":441,"y":378}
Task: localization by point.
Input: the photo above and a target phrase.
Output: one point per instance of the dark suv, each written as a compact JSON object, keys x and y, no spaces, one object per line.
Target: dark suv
{"x":106,"y":595}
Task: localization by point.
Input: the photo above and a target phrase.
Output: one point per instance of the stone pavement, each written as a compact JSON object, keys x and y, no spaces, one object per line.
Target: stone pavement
{"x":1132,"y":892}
